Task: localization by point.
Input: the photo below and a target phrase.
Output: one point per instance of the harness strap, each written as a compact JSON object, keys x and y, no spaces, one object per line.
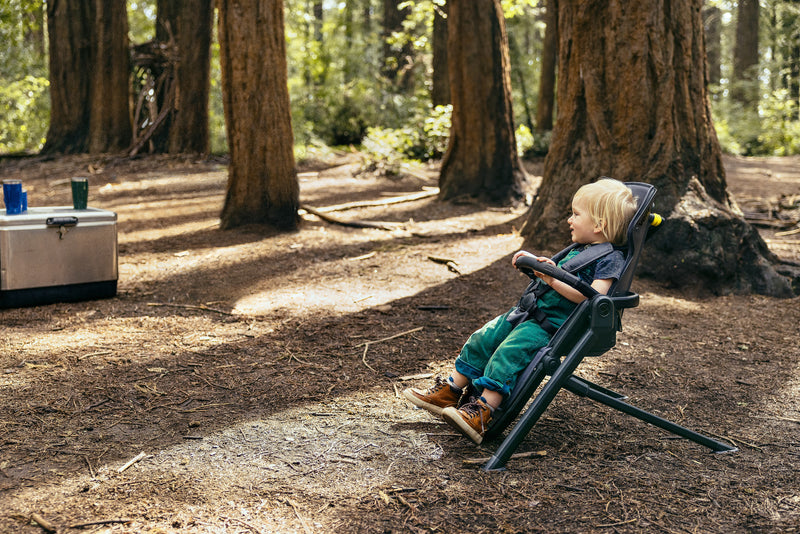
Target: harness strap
{"x":539,"y":316}
{"x":529,"y":310}
{"x":576,"y":263}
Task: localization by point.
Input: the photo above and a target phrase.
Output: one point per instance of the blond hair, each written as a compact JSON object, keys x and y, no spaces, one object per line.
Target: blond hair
{"x":611,"y":205}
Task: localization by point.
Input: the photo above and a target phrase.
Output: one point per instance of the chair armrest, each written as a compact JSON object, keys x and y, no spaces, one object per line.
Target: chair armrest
{"x":627,"y":300}
{"x":527,"y":265}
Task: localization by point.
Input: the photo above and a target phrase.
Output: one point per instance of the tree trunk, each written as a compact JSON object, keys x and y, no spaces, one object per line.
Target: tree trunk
{"x":70,"y":26}
{"x":110,"y":121}
{"x":712,"y":18}
{"x":547,"y":78}
{"x":633,"y":105}
{"x":182,"y":90}
{"x":262,"y":180}
{"x":440,"y":91}
{"x":481,"y":159}
{"x":189,"y":126}
{"x":744,"y":88}
{"x":398,"y":58}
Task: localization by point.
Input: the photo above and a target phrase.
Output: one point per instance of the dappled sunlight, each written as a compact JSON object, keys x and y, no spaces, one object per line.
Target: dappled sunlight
{"x":336,"y":458}
{"x":353,"y":284}
{"x":669,"y":302}
{"x":173,"y":230}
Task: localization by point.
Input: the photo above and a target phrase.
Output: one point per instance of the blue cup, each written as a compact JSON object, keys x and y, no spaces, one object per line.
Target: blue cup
{"x":24,"y":200}
{"x":12,"y":196}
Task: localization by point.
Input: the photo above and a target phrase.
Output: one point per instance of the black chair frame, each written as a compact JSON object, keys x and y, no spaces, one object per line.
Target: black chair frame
{"x":589,"y":331}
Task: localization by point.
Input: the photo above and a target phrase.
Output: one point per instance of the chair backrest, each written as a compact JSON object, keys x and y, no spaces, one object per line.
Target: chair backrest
{"x":637,"y":233}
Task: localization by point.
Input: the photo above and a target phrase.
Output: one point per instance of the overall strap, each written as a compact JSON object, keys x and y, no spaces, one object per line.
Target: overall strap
{"x":587,"y":257}
{"x":578,"y":262}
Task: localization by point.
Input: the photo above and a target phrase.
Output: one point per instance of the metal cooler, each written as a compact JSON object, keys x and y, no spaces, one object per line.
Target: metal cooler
{"x":57,"y":254}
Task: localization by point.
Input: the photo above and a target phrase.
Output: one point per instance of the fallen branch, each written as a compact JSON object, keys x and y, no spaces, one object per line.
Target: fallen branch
{"x":789,"y":232}
{"x":352,"y":224}
{"x":428,"y":192}
{"x":518,"y":456}
{"x":138,"y":457}
{"x":452,"y":266}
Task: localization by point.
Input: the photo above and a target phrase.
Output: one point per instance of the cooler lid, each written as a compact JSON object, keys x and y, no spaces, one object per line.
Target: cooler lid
{"x":40,"y":216}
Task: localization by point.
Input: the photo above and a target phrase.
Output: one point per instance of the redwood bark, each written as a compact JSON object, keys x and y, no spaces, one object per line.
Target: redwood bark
{"x":481,"y":159}
{"x":262,"y":180}
{"x":547,"y":79}
{"x":189,"y":129}
{"x":440,"y":90}
{"x":110,"y":121}
{"x":70,"y":26}
{"x":745,"y":54}
{"x":633,"y":105}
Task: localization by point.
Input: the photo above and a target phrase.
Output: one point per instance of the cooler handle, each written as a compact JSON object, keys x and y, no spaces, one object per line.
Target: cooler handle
{"x":61,"y":221}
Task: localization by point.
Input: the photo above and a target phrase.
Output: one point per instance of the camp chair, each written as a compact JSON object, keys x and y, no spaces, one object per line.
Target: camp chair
{"x":590,"y":330}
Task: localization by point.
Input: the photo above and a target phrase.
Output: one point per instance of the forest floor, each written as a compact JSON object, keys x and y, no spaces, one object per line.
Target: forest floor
{"x":247,"y":382}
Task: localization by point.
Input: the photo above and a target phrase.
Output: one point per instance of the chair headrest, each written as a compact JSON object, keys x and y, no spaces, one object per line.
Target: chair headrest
{"x":637,"y":232}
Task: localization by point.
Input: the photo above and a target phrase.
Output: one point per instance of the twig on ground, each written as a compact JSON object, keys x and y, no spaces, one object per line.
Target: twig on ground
{"x":138,"y":457}
{"x":291,"y":503}
{"x":392,"y":337}
{"x":44,"y":523}
{"x":189,"y":307}
{"x":368,"y":343}
{"x":245,"y":523}
{"x":415,"y":377}
{"x":364,"y":357}
{"x":518,"y":456}
{"x":91,"y":471}
{"x":100,"y":522}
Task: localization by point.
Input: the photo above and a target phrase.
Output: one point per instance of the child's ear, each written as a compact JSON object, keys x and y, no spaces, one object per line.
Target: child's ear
{"x":600,"y":226}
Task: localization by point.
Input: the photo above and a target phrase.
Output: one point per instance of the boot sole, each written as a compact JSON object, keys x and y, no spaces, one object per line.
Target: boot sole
{"x":416,"y":401}
{"x":455,"y":420}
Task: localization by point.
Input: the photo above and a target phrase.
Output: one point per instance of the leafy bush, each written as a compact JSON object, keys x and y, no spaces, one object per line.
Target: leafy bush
{"x":531,"y":145}
{"x":780,"y":135}
{"x":390,"y":147}
{"x":23,"y":125}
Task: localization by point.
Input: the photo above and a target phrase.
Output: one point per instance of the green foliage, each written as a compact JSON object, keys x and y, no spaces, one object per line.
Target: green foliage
{"x":769,"y":126}
{"x":389,"y":148}
{"x":530,"y":145}
{"x":24,"y":100}
{"x":780,"y":133}
{"x":141,"y":20}
{"x":218,"y":135}
{"x":23,"y":126}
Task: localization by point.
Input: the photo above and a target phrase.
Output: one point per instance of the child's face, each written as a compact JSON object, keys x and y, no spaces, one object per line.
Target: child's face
{"x":582,"y":229}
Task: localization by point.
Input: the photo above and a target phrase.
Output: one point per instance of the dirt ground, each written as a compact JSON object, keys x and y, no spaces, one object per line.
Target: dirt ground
{"x":246,"y":382}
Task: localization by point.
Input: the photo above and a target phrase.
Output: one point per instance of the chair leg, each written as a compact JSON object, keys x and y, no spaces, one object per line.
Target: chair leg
{"x":578,"y":387}
{"x":498,"y":461}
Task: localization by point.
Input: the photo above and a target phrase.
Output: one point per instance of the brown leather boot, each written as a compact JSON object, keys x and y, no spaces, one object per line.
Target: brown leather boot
{"x":472,"y":419}
{"x":441,"y":395}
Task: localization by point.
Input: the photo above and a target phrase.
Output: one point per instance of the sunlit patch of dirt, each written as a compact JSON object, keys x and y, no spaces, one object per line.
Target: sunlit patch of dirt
{"x":242,"y":381}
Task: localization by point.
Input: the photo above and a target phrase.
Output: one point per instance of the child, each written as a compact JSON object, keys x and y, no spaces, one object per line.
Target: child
{"x":493,"y":356}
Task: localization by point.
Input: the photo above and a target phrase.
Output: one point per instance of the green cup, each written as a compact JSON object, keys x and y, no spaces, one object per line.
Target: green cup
{"x":80,"y":193}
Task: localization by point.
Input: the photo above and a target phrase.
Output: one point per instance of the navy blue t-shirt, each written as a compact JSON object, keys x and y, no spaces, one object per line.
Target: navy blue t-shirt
{"x":556,"y":307}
